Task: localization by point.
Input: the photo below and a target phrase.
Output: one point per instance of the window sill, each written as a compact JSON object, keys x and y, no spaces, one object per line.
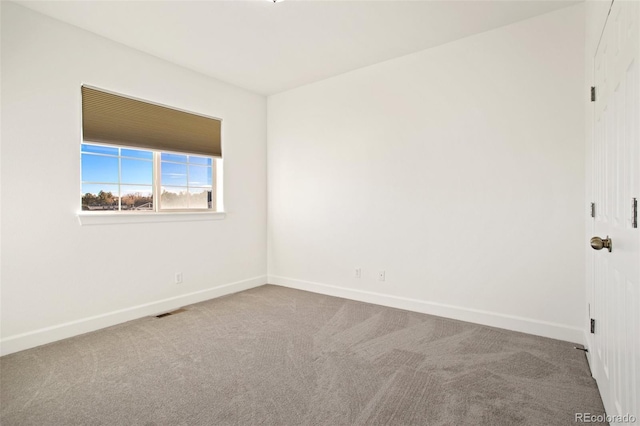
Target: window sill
{"x":104,"y":218}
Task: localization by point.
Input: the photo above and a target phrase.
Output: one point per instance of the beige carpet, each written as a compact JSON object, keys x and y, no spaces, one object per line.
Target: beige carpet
{"x":277,"y":356}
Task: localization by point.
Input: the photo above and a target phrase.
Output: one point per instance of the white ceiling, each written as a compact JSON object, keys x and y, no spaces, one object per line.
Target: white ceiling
{"x":270,"y":47}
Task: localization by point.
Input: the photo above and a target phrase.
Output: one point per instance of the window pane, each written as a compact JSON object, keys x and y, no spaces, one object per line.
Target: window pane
{"x":99,"y":197}
{"x":96,"y":168}
{"x":198,"y":198}
{"x":174,"y":198}
{"x":173,"y":174}
{"x":99,"y":149}
{"x":137,"y":197}
{"x":136,"y":153}
{"x":205,"y":161}
{"x":199,"y":176}
{"x":137,"y":171}
{"x":174,"y":157}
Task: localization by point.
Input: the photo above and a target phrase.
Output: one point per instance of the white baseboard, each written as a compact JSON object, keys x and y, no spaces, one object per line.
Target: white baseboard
{"x":45,"y":335}
{"x":493,"y":319}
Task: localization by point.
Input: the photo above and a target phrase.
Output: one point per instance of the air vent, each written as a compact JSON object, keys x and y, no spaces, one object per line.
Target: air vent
{"x":166,"y":314}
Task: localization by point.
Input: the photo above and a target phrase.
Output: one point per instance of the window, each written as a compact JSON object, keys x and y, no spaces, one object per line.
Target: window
{"x":186,"y":181}
{"x":139,"y":156}
{"x":128,"y":179}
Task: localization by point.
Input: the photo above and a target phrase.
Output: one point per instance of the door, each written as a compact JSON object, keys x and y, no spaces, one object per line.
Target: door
{"x":615,"y":345}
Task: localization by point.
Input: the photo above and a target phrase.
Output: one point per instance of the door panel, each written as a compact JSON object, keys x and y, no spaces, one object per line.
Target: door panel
{"x":615,"y":346}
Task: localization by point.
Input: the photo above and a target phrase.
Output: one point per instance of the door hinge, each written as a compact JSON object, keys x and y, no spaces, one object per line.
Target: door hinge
{"x":593,"y":209}
{"x":634,"y":216}
{"x":593,"y":93}
{"x":593,"y":326}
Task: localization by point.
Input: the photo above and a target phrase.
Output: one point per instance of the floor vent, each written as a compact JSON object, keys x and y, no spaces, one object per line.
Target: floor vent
{"x":166,"y":314}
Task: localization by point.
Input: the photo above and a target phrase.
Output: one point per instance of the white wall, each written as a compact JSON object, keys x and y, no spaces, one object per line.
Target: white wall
{"x":458,"y":170}
{"x":60,"y":278}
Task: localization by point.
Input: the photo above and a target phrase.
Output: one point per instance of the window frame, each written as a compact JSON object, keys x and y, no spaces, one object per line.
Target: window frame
{"x":157,"y":214}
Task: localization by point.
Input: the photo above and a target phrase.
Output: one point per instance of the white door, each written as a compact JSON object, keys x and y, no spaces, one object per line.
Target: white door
{"x":615,"y":345}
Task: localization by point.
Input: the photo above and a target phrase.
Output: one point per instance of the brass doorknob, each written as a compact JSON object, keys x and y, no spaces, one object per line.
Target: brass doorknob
{"x":598,"y":243}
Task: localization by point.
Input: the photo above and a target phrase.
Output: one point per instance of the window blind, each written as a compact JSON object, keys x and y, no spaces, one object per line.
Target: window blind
{"x":119,"y":120}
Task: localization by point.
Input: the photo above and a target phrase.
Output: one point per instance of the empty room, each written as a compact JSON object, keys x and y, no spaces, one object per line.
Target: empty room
{"x":319,"y":212}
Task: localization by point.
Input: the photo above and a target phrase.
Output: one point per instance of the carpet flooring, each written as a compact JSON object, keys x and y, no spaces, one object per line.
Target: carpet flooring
{"x":278,"y":356}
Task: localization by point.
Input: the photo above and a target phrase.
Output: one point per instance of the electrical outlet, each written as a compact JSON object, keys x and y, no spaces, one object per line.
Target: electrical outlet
{"x":178,"y":278}
{"x":357,"y":273}
{"x":381,"y":275}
